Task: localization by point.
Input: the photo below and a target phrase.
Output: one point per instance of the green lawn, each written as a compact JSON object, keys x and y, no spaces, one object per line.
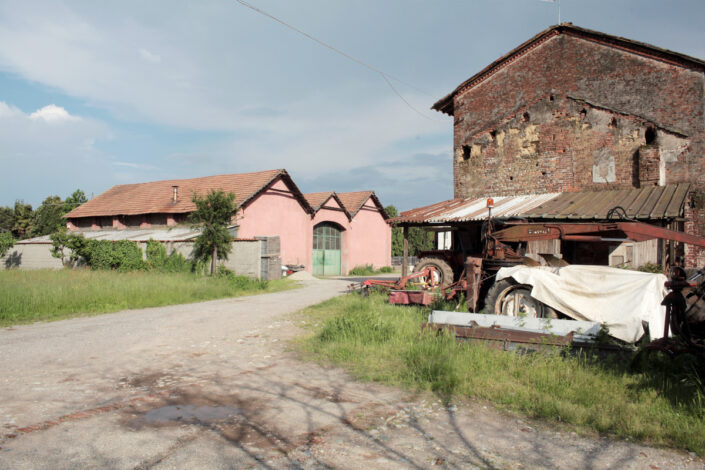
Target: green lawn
{"x":29,"y":296}
{"x":376,"y":341}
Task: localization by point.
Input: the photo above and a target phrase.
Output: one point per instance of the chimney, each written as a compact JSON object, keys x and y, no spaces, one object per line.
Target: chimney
{"x":176,"y":193}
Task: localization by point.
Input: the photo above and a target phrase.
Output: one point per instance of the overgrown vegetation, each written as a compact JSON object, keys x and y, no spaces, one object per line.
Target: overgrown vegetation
{"x":368,"y":270}
{"x":212,"y":217}
{"x":28,"y":296}
{"x":23,"y":222}
{"x":419,"y":239}
{"x":7,"y":241}
{"x":381,"y":342}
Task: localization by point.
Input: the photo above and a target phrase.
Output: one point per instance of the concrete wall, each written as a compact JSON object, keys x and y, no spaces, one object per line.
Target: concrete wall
{"x":26,"y":256}
{"x":244,"y":258}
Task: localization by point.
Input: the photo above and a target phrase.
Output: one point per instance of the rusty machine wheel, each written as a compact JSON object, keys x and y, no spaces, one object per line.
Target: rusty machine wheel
{"x":442,"y":274}
{"x":507,"y":297}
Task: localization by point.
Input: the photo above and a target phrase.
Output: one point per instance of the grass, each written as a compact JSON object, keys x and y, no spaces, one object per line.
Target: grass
{"x":29,"y":296}
{"x":379,"y":342}
{"x":368,"y":270}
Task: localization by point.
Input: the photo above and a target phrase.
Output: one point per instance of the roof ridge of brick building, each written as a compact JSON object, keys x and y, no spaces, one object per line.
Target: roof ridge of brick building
{"x":446,"y":104}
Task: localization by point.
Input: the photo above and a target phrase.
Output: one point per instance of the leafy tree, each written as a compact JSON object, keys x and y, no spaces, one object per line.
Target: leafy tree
{"x":77,"y":198}
{"x":7,"y":219}
{"x":212,"y":216}
{"x":23,"y":220}
{"x":48,"y":218}
{"x":7,"y":241}
{"x":419,"y":239}
{"x":68,"y":247}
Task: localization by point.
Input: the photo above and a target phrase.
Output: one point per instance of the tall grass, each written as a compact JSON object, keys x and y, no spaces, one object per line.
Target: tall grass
{"x":381,"y":342}
{"x":28,"y":296}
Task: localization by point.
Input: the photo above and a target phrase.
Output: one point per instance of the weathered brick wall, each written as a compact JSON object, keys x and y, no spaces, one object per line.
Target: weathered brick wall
{"x":694,"y":213}
{"x":571,"y":113}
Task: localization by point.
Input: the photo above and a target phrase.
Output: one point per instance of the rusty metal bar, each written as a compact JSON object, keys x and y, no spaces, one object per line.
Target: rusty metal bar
{"x":405,"y":258}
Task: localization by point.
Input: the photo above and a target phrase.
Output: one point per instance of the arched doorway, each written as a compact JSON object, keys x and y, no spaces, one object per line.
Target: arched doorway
{"x":327,"y":243}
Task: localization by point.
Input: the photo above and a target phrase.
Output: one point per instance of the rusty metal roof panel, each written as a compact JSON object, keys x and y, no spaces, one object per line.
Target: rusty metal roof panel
{"x":465,"y":210}
{"x":649,"y":203}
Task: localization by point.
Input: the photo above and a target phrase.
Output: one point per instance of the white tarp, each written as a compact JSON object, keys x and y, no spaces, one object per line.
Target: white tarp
{"x":619,"y":298}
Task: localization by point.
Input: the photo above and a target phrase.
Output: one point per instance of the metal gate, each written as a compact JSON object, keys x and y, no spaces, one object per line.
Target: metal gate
{"x":327,"y":242}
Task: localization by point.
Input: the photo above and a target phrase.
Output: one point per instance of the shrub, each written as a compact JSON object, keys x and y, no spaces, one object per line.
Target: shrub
{"x":122,"y":255}
{"x":156,"y":255}
{"x":386,"y":269}
{"x":7,"y":241}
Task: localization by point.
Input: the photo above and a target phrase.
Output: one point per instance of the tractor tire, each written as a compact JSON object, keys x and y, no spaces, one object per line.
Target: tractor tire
{"x":444,"y":273}
{"x":507,"y":297}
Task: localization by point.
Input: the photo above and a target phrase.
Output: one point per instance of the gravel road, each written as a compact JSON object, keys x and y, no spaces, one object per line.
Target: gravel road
{"x":213,"y":385}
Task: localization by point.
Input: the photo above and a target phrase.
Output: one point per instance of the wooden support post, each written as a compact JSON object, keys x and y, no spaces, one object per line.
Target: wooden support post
{"x":405,"y":259}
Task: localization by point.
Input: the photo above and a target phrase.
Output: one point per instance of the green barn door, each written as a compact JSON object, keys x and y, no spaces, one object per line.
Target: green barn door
{"x":326,"y":249}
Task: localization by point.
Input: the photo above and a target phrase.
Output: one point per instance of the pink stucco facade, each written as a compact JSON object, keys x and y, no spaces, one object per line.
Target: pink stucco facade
{"x":277,"y":212}
{"x":366,"y":239}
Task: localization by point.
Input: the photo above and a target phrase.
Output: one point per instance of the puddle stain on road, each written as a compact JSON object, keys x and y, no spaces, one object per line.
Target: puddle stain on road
{"x":190,"y":414}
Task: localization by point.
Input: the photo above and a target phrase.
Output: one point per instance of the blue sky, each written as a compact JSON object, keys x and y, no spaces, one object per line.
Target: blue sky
{"x":94,"y":94}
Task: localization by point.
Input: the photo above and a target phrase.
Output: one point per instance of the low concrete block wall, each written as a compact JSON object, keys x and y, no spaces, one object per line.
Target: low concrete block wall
{"x":244,"y":259}
{"x":30,"y":256}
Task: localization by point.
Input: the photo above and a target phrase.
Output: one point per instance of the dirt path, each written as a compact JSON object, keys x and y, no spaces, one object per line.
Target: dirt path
{"x":212,"y":385}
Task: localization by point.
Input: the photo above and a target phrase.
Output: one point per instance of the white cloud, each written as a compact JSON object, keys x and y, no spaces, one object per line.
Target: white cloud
{"x":149,"y":57}
{"x":52,"y":113}
{"x":39,"y":158}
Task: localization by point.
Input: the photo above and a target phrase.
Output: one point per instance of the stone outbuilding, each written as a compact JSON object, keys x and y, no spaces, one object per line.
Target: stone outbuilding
{"x":578,"y":110}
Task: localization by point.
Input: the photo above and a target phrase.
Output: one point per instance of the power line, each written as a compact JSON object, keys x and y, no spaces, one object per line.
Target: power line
{"x":385,"y":76}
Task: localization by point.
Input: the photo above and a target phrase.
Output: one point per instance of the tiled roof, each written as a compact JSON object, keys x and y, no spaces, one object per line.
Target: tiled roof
{"x":649,"y":203}
{"x":157,"y":196}
{"x":316,"y":200}
{"x":354,"y":201}
{"x":446,"y":104}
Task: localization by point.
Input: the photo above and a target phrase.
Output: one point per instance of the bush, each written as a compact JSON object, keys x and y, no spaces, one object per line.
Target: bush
{"x":156,"y":255}
{"x":122,"y":255}
{"x":240,"y":282}
{"x":386,"y":269}
{"x":7,"y":241}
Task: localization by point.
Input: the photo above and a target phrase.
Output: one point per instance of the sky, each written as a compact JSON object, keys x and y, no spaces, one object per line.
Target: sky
{"x":94,"y":94}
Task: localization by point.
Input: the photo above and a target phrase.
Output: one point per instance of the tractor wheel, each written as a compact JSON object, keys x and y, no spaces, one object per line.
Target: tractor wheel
{"x":506,"y":297}
{"x":442,"y":276}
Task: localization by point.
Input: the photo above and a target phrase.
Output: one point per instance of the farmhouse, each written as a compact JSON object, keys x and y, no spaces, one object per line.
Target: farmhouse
{"x":577,"y":124}
{"x":328,"y":234}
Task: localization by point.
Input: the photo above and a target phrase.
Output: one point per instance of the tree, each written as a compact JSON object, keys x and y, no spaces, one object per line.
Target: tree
{"x":212,"y":217}
{"x":48,"y":218}
{"x":7,"y":241}
{"x":77,"y":198}
{"x":419,"y":239}
{"x":23,"y":220}
{"x":7,"y":219}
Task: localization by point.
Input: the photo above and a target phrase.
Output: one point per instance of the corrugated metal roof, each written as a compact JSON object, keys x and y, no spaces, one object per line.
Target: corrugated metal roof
{"x":141,"y":235}
{"x":650,"y":203}
{"x":465,"y":210}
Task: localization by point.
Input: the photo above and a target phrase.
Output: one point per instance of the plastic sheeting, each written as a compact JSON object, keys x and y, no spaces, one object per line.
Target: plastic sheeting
{"x":619,"y":298}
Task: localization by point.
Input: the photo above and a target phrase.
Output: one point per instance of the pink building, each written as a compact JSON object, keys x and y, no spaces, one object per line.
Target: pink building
{"x":327,"y":233}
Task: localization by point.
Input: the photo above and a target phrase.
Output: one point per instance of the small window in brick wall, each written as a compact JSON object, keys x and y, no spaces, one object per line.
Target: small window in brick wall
{"x":650,"y":135}
{"x":466,"y":152}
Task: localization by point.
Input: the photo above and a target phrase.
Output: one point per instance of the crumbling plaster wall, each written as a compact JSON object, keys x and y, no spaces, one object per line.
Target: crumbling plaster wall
{"x":565,"y":144}
{"x":522,"y":130}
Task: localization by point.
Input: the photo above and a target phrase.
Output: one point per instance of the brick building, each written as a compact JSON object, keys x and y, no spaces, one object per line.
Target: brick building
{"x":577,"y":110}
